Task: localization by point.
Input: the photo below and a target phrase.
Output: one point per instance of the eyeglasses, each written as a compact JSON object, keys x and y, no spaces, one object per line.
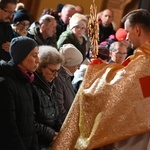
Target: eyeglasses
{"x":8,"y":11}
{"x":24,"y":24}
{"x":121,"y":53}
{"x":53,"y":71}
{"x":81,"y":28}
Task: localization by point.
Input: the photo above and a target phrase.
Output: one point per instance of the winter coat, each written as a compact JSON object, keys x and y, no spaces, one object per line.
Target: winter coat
{"x":17,"y":130}
{"x":6,"y":35}
{"x":60,"y":28}
{"x":105,"y":33}
{"x":34,"y":33}
{"x":46,"y":110}
{"x":69,"y":37}
{"x":65,"y":92}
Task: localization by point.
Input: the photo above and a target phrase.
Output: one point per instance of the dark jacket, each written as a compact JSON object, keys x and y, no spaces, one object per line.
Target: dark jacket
{"x":6,"y":35}
{"x":65,"y":92}
{"x":105,"y":32}
{"x":68,"y":37}
{"x":34,"y":33}
{"x":16,"y":110}
{"x":15,"y":34}
{"x":46,"y":110}
{"x":60,"y":28}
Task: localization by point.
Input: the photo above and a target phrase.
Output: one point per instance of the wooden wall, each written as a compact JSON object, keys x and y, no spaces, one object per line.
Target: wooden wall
{"x":35,"y":7}
{"x":32,"y":6}
{"x":120,"y":7}
{"x":53,"y":4}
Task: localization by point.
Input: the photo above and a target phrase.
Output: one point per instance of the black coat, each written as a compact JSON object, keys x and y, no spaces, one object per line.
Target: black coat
{"x":16,"y":110}
{"x":105,"y":32}
{"x":65,"y":92}
{"x":46,"y":110}
{"x":60,"y":28}
{"x":6,"y":34}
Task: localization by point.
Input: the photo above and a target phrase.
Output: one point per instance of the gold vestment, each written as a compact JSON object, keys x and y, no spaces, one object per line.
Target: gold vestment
{"x":112,"y":104}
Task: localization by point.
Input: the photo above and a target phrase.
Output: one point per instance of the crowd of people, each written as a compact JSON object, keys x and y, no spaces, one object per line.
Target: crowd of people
{"x":46,"y":77}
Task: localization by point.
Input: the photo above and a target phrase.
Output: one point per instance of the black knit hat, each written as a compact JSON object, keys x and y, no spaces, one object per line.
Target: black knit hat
{"x":20,"y":47}
{"x":21,"y":15}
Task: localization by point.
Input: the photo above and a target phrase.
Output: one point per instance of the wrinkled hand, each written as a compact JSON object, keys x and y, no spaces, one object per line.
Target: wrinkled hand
{"x":56,"y":133}
{"x":6,"y":46}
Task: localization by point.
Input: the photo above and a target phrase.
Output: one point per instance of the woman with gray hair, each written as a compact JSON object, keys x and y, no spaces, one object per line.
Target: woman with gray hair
{"x":65,"y":91}
{"x":75,"y":34}
{"x":47,"y":120}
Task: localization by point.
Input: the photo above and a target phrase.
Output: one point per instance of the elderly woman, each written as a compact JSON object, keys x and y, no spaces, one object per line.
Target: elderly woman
{"x":21,"y":22}
{"x":65,"y":92}
{"x":46,"y":109}
{"x":75,"y":34}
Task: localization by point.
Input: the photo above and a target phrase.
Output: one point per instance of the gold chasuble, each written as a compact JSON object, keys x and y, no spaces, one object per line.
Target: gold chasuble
{"x":112,"y":104}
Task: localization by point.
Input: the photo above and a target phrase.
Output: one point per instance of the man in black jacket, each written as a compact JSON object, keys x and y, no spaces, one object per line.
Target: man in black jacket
{"x":66,"y":13}
{"x":106,"y":29}
{"x":7,"y":9}
{"x":16,"y":104}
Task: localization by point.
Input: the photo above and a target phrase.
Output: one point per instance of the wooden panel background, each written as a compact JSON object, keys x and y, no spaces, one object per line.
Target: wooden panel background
{"x":120,"y":7}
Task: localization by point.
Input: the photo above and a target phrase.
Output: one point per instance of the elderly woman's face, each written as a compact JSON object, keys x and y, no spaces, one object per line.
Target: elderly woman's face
{"x":79,"y":30}
{"x":50,"y":71}
{"x":22,"y":27}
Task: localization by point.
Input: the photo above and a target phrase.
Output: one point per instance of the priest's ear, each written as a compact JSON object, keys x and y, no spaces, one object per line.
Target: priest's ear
{"x":137,"y":29}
